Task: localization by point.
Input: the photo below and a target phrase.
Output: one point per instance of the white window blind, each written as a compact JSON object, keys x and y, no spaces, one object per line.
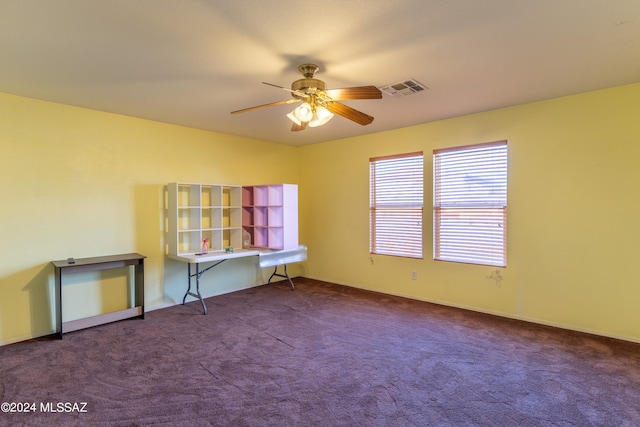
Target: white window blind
{"x":470,"y":204}
{"x":396,"y":202}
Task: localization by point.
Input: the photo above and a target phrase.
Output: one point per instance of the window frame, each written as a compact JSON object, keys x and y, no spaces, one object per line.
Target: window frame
{"x":477,"y":242}
{"x":393,"y":205}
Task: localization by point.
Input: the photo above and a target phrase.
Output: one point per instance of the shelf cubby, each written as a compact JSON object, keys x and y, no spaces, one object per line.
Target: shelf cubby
{"x":187,"y":195}
{"x":260,"y":216}
{"x":260,"y":237}
{"x":261,"y":195}
{"x":188,"y":241}
{"x":188,"y":218}
{"x":247,"y":196}
{"x":274,"y":216}
{"x":275,"y":195}
{"x":247,"y":216}
{"x":276,"y":237}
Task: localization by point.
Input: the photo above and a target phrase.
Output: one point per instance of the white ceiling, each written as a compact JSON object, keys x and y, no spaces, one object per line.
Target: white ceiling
{"x":191,"y":62}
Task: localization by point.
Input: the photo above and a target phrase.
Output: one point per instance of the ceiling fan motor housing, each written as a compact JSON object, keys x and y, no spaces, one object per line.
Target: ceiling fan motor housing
{"x":308,"y":86}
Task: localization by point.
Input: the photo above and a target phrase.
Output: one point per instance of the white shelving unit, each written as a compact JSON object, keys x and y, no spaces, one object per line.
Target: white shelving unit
{"x":270,"y":215}
{"x":203,"y":211}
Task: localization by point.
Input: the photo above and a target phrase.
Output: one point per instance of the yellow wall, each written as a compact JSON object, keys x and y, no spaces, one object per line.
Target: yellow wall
{"x":80,"y":183}
{"x":573,"y":213}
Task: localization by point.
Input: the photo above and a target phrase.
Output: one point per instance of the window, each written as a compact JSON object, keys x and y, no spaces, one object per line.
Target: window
{"x":396,"y":202}
{"x":470,"y":204}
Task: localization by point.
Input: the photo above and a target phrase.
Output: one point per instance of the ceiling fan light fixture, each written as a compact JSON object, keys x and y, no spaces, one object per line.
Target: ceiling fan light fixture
{"x":293,"y":118}
{"x":320,"y":116}
{"x":304,"y":112}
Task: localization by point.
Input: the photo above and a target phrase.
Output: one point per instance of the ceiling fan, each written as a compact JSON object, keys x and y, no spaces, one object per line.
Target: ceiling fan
{"x":319,"y":104}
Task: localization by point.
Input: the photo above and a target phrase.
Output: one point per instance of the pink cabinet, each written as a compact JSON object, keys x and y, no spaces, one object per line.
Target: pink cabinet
{"x":270,"y":215}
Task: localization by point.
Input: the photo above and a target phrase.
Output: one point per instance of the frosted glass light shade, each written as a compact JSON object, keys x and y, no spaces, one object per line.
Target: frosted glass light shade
{"x":304,"y":112}
{"x":320,"y":116}
{"x":293,"y":118}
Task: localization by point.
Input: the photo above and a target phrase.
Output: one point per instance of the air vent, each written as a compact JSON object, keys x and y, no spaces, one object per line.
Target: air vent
{"x":403,"y":88}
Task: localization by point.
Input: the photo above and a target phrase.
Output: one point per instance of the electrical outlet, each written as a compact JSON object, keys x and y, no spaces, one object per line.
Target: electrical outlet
{"x":414,"y":275}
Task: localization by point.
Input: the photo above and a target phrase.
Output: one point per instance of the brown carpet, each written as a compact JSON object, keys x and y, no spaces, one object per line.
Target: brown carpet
{"x":322,"y":355}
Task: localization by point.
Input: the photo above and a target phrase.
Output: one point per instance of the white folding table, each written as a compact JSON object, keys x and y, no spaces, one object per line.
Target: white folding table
{"x":267,"y":258}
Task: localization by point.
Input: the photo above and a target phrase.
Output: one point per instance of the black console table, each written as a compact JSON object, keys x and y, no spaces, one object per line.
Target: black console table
{"x":80,"y":265}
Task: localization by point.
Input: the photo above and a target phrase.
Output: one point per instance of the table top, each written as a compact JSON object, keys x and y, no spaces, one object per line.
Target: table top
{"x":98,"y":260}
{"x":215,"y":256}
{"x":273,"y":255}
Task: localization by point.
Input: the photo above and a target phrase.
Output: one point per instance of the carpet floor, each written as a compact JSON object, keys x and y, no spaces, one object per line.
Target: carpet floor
{"x":322,"y":355}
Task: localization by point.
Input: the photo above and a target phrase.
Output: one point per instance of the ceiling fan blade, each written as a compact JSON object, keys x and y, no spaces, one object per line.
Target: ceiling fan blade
{"x":359,"y":92}
{"x":350,"y":113}
{"x":296,"y":92}
{"x":286,"y":101}
{"x":298,"y":127}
